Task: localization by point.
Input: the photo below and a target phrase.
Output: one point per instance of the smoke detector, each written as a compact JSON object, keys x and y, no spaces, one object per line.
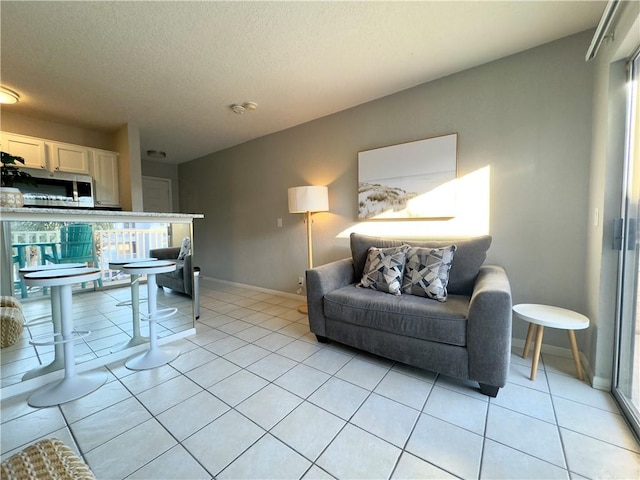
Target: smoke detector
{"x":241,"y":108}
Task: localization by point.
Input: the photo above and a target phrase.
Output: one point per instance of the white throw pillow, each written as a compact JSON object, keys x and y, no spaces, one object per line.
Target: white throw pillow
{"x":185,"y":248}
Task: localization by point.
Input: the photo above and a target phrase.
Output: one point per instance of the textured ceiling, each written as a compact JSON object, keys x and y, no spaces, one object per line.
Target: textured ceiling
{"x":173,"y":68}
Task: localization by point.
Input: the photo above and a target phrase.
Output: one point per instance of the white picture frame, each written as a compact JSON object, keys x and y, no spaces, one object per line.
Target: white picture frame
{"x":414,"y":180}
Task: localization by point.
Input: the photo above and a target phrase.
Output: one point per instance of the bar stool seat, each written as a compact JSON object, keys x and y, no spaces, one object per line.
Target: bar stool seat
{"x":72,"y":386}
{"x":155,"y":356}
{"x":137,"y":338}
{"x":58,"y":352}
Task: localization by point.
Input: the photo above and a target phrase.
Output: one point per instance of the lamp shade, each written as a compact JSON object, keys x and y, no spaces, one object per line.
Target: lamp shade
{"x":308,"y":199}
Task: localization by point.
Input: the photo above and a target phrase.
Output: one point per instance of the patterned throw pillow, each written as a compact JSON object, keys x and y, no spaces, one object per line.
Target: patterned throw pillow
{"x":185,"y":248}
{"x":426,"y":273}
{"x":384,"y":268}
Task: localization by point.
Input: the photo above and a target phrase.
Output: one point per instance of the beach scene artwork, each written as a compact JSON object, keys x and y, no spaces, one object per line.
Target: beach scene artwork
{"x":409,"y":181}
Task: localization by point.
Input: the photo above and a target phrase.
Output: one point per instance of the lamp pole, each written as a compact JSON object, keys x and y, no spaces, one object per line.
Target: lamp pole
{"x":309,"y":241}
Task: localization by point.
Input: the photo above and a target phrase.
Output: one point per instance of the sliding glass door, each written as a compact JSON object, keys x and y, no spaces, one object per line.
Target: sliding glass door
{"x":627,"y":379}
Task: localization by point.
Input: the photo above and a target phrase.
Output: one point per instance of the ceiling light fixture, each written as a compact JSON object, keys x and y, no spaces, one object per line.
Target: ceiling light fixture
{"x":156,"y":154}
{"x":241,"y":108}
{"x":8,"y":97}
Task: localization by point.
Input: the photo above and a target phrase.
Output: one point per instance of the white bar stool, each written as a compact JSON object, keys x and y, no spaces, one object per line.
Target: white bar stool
{"x":58,"y":358}
{"x":73,"y":386}
{"x":155,"y":356}
{"x":134,"y":303}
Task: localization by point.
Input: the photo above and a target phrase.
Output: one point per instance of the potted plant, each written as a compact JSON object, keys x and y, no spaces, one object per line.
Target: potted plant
{"x":9,"y":174}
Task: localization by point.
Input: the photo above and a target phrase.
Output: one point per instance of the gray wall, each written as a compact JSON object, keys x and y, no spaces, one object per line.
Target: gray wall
{"x":526,"y":117}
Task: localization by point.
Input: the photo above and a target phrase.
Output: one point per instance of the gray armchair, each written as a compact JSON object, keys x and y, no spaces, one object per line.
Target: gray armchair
{"x":182,"y":279}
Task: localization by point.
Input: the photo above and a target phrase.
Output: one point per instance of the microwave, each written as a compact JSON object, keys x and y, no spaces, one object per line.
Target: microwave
{"x":57,"y":189}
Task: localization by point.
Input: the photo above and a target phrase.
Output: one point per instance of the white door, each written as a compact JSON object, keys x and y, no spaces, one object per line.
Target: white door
{"x":156,"y":194}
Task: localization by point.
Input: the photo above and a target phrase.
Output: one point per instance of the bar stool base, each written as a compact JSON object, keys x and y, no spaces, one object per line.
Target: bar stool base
{"x":67,"y":390}
{"x":134,"y":342}
{"x":153,"y":358}
{"x":57,"y":364}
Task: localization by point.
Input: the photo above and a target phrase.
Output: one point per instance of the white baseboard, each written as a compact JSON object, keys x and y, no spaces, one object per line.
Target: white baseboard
{"x":601,"y":383}
{"x":598,"y":383}
{"x":301,"y":298}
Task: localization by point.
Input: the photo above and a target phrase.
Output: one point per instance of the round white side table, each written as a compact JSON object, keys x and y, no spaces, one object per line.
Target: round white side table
{"x":540,"y":316}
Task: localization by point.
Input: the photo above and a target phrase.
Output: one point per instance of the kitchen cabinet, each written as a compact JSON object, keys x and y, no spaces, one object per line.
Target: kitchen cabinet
{"x":104,"y":169}
{"x":64,"y":157}
{"x":29,"y":148}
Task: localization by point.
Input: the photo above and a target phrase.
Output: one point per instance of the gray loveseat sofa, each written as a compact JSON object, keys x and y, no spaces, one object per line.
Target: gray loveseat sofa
{"x":468,"y":336}
{"x":181,"y":280}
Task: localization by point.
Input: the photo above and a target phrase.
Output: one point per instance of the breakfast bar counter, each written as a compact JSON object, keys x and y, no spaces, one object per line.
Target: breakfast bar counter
{"x":32,"y":237}
{"x":86,"y":215}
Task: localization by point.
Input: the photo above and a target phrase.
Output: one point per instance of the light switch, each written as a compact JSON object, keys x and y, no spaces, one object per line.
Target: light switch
{"x":279,"y":223}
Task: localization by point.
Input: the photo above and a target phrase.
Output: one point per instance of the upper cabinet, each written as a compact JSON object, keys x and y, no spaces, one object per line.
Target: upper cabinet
{"x":31,"y":149}
{"x":104,"y":168}
{"x":47,"y":155}
{"x":52,"y":156}
{"x":68,"y":158}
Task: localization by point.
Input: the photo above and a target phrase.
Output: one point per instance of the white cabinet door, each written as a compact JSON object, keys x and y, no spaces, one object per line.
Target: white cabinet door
{"x":31,"y":149}
{"x":104,"y":168}
{"x":69,"y":158}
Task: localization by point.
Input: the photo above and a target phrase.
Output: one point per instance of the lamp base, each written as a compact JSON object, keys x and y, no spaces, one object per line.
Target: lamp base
{"x":304,"y":308}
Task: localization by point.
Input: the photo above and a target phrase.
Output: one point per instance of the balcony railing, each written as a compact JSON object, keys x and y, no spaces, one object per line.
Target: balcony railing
{"x":109,"y":245}
{"x":126,"y":243}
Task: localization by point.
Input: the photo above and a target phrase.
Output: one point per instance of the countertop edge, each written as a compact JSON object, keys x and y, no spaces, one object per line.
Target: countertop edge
{"x":7,"y":213}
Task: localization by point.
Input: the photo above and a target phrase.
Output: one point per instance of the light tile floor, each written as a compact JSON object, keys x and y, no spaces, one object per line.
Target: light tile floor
{"x":253,"y":395}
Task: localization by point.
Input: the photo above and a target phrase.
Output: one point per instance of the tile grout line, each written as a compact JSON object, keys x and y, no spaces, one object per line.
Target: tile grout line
{"x":557,"y":423}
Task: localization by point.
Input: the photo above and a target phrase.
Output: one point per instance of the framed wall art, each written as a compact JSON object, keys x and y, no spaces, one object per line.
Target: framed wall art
{"x":414,"y":180}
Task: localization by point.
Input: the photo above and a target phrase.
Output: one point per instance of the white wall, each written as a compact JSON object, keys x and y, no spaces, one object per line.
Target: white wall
{"x":524,"y":120}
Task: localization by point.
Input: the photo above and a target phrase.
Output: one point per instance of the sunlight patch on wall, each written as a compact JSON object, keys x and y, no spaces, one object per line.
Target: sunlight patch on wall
{"x":472,"y":204}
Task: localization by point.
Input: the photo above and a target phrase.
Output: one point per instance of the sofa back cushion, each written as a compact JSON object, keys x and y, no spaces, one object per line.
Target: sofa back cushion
{"x":470,"y":255}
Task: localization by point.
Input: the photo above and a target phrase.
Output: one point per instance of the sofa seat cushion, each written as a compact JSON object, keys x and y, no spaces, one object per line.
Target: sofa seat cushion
{"x":406,"y":315}
{"x":177,"y":273}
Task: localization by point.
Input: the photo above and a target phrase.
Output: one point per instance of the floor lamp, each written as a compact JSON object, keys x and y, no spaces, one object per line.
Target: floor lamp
{"x":308,"y":200}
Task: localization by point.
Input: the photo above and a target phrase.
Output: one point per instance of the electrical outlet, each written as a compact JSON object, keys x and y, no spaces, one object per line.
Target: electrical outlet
{"x":300,"y":281}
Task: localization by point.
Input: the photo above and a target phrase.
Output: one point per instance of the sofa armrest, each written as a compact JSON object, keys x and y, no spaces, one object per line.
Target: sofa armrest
{"x":322,"y":280}
{"x":489,"y":327}
{"x":187,"y":272}
{"x":170,"y":253}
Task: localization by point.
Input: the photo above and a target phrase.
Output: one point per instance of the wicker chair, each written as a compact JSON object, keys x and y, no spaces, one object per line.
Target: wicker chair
{"x":47,"y":459}
{"x":11,"y":321}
